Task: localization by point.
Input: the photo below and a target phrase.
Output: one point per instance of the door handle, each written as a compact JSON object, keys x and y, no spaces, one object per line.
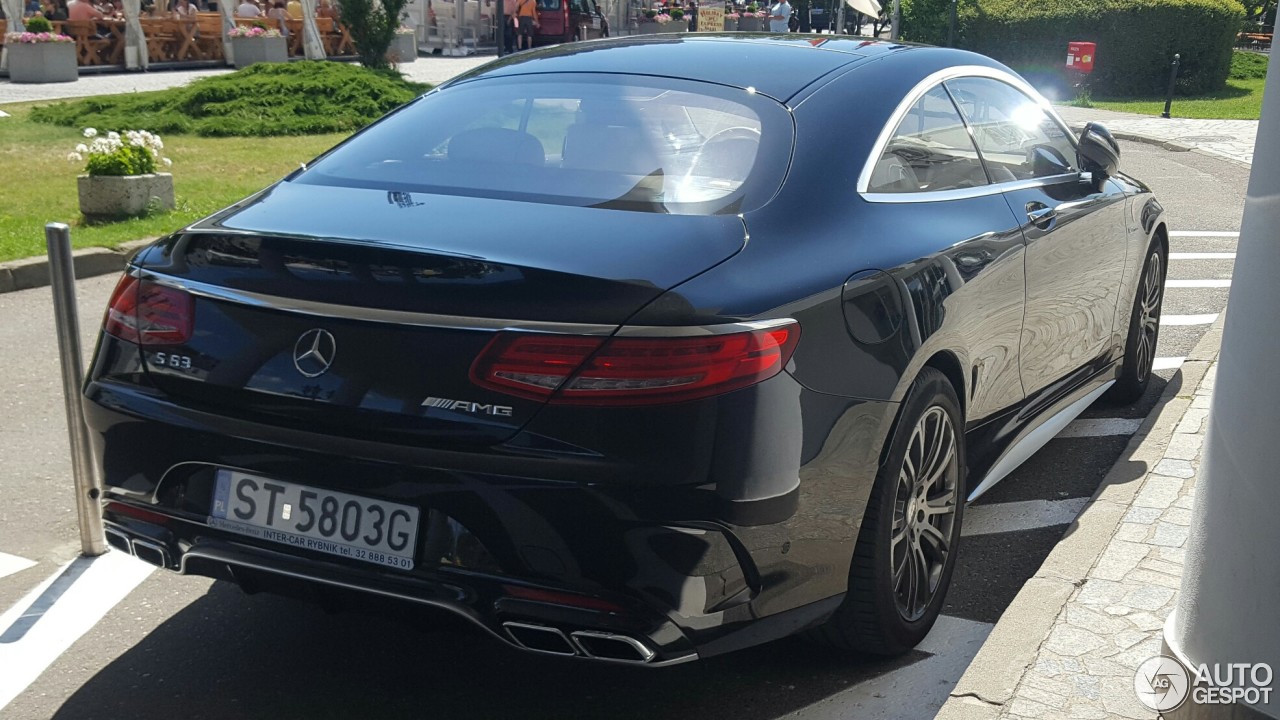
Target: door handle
{"x":1041,"y":215}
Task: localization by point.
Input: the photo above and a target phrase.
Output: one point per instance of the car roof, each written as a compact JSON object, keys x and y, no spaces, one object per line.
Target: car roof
{"x":778,"y":66}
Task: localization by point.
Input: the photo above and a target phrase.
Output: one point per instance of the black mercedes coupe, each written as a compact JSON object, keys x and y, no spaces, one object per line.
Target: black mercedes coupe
{"x":634,"y":350}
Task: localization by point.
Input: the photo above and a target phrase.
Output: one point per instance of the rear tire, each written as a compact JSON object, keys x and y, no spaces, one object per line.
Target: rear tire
{"x":1144,"y":330}
{"x":906,"y":548}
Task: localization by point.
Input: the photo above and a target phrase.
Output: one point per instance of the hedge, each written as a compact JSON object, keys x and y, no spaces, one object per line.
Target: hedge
{"x":1136,"y":38}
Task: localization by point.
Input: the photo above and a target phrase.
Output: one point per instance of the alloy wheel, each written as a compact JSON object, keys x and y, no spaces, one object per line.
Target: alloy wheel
{"x":1149,"y":316}
{"x":924,"y":513}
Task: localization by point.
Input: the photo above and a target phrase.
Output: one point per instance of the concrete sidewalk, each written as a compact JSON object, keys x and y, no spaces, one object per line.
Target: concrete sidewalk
{"x":1071,"y":642}
{"x":1227,"y":139}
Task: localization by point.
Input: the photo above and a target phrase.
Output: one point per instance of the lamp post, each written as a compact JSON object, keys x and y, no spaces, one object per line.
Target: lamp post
{"x":1225,"y":611}
{"x":1173,"y":76}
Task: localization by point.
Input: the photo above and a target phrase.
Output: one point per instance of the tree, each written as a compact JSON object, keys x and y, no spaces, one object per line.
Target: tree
{"x":372,"y":24}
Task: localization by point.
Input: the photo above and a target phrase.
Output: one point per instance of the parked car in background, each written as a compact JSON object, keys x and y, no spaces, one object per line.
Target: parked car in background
{"x":562,"y":21}
{"x":609,"y":351}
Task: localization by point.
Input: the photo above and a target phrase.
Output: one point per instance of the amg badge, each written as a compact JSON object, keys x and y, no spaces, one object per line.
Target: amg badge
{"x":466,"y":406}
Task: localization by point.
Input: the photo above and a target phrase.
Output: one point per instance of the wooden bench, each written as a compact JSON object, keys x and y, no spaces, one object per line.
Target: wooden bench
{"x":90,"y":48}
{"x":208,"y":38}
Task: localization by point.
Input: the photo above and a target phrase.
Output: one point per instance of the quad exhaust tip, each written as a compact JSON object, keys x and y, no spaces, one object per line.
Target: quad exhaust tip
{"x":591,"y":644}
{"x":118,"y":540}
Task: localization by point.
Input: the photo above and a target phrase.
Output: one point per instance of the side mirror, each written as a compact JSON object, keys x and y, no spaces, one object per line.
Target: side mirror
{"x":1098,"y":152}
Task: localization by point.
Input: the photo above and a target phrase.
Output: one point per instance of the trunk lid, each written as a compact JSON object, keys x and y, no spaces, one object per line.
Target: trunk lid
{"x":361,"y":311}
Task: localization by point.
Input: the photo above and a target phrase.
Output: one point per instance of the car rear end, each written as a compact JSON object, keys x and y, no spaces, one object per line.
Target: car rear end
{"x":410,"y":372}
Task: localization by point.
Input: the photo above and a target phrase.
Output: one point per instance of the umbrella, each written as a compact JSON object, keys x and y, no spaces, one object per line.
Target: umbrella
{"x":866,"y":7}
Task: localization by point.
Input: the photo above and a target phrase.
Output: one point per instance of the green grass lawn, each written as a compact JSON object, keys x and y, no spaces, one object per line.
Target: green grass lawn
{"x":209,"y":173}
{"x":1241,"y":99}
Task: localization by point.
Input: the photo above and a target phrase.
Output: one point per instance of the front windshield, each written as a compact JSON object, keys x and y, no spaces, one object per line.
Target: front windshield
{"x":616,"y":142}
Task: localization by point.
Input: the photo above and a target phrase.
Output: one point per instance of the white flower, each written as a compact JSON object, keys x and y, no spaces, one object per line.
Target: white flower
{"x":82,"y":148}
{"x":90,"y":132}
{"x":74,"y":157}
{"x":167,"y":162}
{"x":113,"y":135}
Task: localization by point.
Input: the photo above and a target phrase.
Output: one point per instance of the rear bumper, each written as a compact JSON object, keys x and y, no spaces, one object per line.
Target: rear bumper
{"x":670,"y":572}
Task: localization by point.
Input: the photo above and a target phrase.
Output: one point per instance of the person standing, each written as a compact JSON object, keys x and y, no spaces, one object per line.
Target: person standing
{"x":780,"y":16}
{"x":527,"y":16}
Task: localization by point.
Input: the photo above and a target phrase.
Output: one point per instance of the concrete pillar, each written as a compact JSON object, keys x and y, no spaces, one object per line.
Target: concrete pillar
{"x":1226,"y":611}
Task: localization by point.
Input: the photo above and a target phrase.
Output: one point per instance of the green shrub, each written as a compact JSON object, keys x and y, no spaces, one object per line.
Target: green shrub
{"x":125,"y":160}
{"x":372,"y":24}
{"x":297,"y":98}
{"x":38,"y":24}
{"x":676,"y":14}
{"x":1136,"y":38}
{"x":1248,"y":65}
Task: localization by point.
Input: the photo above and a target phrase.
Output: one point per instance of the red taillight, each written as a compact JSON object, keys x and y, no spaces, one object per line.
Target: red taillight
{"x":143,"y":312}
{"x":632,"y":370}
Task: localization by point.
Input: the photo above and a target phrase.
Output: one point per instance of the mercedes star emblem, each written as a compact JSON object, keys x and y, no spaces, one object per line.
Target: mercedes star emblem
{"x":314,"y":351}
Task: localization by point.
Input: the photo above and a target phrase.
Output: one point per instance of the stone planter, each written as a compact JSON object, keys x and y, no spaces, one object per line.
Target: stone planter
{"x":675,"y":26}
{"x":731,"y":24}
{"x":751,"y":24}
{"x":404,"y":49}
{"x":123,"y":196}
{"x":42,"y":62}
{"x":648,"y":27}
{"x":249,"y":50}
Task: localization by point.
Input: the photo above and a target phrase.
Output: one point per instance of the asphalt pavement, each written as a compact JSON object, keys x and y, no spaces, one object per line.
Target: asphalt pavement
{"x":188,"y":647}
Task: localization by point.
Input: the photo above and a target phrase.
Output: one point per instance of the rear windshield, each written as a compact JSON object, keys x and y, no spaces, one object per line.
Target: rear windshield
{"x":609,"y":141}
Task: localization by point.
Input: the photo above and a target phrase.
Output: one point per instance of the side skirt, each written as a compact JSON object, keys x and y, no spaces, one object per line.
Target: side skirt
{"x":1037,"y":437}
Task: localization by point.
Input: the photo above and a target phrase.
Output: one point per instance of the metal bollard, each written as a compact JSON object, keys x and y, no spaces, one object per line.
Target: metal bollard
{"x":951,"y":25}
{"x":62,"y":276}
{"x":1173,"y":75}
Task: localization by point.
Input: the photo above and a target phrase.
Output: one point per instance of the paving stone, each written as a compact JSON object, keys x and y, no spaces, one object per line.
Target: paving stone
{"x":1086,"y":711}
{"x":1119,"y":559}
{"x":1022,"y":707}
{"x":1177,"y":516}
{"x":1184,"y":502}
{"x":1079,"y":615}
{"x":1087,"y":686}
{"x":1145,"y":621}
{"x":1161,"y":566}
{"x":1174,"y":468}
{"x":1148,"y":597}
{"x":1170,"y":554}
{"x":1133,"y":532}
{"x":1170,"y":535}
{"x":1045,"y":691}
{"x":1102,"y":592}
{"x":1118,"y":610}
{"x":1192,"y":421}
{"x":1183,"y":446}
{"x":1103,"y":667}
{"x":1200,"y":402}
{"x":1128,"y":638}
{"x":1072,"y":641}
{"x":1142,"y":515}
{"x":1159,"y":492}
{"x":1150,"y":577}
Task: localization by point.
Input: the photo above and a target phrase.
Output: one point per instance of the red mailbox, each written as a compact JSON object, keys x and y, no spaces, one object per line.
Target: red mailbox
{"x":1080,"y":56}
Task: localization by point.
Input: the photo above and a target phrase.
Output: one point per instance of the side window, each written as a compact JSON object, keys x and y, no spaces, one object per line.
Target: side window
{"x":931,"y":150}
{"x":1018,"y":139}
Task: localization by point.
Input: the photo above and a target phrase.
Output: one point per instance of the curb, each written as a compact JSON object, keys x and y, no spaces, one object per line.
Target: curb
{"x":89,"y":262}
{"x":1170,"y":145}
{"x":989,"y":683}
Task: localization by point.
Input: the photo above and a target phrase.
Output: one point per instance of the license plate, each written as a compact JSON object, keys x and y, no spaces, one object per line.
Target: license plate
{"x":375,"y":531}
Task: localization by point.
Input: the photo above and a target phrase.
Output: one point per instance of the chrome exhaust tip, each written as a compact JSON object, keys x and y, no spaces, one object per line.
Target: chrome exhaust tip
{"x":151,"y":553}
{"x":540,"y":638}
{"x":608,"y":646}
{"x":118,"y":540}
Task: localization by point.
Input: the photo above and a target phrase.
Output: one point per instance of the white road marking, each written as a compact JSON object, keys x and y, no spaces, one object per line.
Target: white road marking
{"x":1188,"y":319}
{"x":1100,"y":427}
{"x":1202,"y":233}
{"x":1202,"y":256}
{"x":41,"y":627}
{"x":1197,"y":283}
{"x":1019,"y":516}
{"x":913,"y":691}
{"x":10,"y":564}
{"x":1169,"y":363}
